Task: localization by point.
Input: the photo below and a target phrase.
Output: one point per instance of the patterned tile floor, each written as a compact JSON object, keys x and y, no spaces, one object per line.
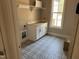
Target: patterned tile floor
{"x":48,"y":47}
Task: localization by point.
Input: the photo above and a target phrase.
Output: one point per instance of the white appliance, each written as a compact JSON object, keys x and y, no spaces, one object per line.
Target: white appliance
{"x":38,"y":3}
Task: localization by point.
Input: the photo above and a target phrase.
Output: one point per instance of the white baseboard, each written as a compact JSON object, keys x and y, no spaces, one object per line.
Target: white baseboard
{"x":59,"y":35}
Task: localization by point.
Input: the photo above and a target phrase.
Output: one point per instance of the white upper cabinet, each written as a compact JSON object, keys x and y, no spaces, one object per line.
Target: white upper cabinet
{"x":38,"y":3}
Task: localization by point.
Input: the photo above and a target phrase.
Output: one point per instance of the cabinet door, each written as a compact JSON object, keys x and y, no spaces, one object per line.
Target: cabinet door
{"x":32,"y":2}
{"x":32,"y":32}
{"x":41,"y":30}
{"x":38,"y":32}
{"x":44,"y":29}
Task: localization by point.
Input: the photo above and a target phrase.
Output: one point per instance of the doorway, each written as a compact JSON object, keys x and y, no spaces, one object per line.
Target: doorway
{"x":23,"y":20}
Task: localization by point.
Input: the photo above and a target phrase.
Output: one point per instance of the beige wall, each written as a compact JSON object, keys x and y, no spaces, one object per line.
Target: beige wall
{"x":26,"y":16}
{"x":69,"y":21}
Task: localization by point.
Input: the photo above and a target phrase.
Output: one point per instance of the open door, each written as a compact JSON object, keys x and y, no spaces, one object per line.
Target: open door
{"x":75,"y":54}
{"x":2,"y":49}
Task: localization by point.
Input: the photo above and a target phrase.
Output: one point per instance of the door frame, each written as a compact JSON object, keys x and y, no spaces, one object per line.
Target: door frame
{"x":10,"y":32}
{"x":3,"y":33}
{"x":9,"y":28}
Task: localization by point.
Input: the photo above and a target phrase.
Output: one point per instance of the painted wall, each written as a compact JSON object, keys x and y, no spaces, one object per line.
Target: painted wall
{"x":27,"y":16}
{"x":69,"y":21}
